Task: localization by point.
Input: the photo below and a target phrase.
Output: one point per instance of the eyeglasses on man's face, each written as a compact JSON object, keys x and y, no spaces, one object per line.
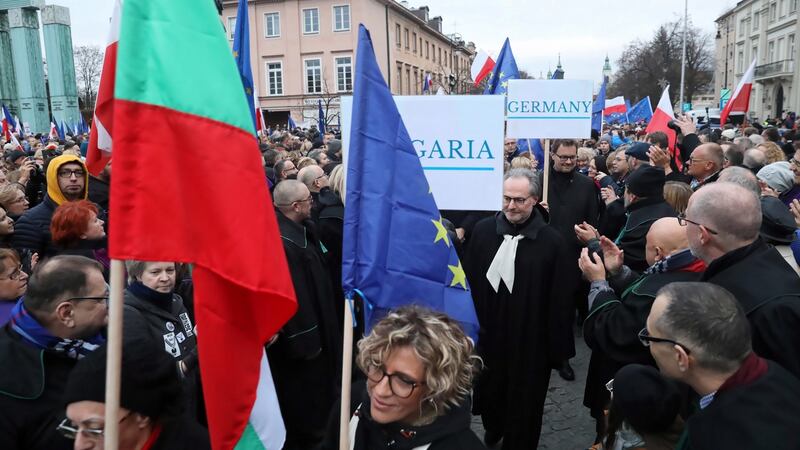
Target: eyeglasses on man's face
{"x":66,"y":173}
{"x":70,"y":431}
{"x":566,"y":157}
{"x":102,"y":298}
{"x":518,"y":200}
{"x":400,"y":384}
{"x":682,"y":221}
{"x":646,"y":339}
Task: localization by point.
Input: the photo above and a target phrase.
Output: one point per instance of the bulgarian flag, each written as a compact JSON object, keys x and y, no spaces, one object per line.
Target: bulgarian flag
{"x":176,"y":78}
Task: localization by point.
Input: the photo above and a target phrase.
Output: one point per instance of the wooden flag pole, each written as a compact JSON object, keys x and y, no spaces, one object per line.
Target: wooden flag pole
{"x":114,"y":359}
{"x":546,"y":169}
{"x":347,"y":375}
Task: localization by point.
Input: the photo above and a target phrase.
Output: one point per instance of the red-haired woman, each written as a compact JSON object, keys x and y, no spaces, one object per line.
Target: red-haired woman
{"x":76,"y":230}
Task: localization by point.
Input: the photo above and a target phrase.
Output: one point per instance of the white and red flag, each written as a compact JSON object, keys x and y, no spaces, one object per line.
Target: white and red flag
{"x":740,"y":100}
{"x":661,"y":117}
{"x":482,"y":66}
{"x":615,"y":105}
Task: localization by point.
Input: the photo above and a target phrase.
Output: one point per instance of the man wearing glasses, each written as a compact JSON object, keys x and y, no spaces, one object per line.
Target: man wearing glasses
{"x":56,"y":323}
{"x":304,"y":357}
{"x":316,"y":181}
{"x":704,"y":164}
{"x":698,"y":334}
{"x":722,"y":224}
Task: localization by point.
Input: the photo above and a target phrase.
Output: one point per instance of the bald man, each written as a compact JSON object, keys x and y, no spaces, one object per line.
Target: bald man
{"x":722,"y":223}
{"x":618,"y":308}
{"x":705,"y":163}
{"x":316,"y":181}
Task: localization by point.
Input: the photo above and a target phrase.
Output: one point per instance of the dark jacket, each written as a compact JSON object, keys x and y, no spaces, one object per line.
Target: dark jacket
{"x":99,"y":192}
{"x":769,"y":291}
{"x":172,"y":329}
{"x":633,"y":237}
{"x":32,"y":230}
{"x":182,"y":434}
{"x":572,"y":199}
{"x":32,"y":383}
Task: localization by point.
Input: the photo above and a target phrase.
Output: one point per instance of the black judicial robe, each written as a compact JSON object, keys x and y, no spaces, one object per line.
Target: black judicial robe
{"x":525,"y":333}
{"x":633,"y":237}
{"x":306,"y":358}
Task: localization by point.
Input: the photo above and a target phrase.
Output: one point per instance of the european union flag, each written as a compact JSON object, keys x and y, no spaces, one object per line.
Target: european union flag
{"x":597,"y":109}
{"x":396,"y":251}
{"x":531,"y":145}
{"x":241,"y":53}
{"x":291,"y":123}
{"x":321,"y":119}
{"x":504,"y":69}
{"x":59,"y":129}
{"x":641,"y":111}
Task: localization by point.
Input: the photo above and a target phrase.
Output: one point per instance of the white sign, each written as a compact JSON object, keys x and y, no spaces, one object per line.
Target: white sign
{"x":459,"y":141}
{"x":549,"y":109}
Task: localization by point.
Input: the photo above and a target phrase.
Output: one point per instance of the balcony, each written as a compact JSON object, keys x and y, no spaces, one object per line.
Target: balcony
{"x":775,"y":69}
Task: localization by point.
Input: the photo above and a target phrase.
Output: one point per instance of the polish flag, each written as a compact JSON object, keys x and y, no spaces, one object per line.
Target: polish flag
{"x":482,"y":66}
{"x":661,"y":117}
{"x":615,"y":105}
{"x":98,"y":152}
{"x":427,"y":83}
{"x":740,"y":100}
{"x":53,"y":131}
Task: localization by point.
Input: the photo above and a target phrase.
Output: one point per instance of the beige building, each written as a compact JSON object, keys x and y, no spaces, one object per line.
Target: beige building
{"x":765,"y":31}
{"x":303,"y":51}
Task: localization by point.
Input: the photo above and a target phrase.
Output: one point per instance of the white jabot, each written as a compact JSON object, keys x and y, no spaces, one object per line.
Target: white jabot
{"x":502,"y":267}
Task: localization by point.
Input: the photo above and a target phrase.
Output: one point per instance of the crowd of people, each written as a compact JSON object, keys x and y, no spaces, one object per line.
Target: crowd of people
{"x":679,"y":268}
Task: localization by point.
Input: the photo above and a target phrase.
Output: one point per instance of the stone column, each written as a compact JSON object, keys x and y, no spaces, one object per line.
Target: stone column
{"x":26,"y":54}
{"x":60,"y":64}
{"x":8,"y":83}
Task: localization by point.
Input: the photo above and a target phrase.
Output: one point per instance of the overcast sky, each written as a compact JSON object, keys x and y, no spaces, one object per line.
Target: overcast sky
{"x":583,"y":31}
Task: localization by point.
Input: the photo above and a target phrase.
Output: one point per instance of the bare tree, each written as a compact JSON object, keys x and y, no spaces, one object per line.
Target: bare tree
{"x":330,"y":100}
{"x":88,"y":66}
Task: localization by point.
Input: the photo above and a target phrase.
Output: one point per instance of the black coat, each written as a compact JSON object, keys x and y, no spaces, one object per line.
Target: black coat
{"x":761,"y":415}
{"x":611,"y":330}
{"x":525,"y":333}
{"x":32,"y":230}
{"x":633,"y":237}
{"x":306,"y":358}
{"x":769,"y":291}
{"x":572,"y":199}
{"x":99,"y":192}
{"x":32,"y":383}
{"x":171,"y":330}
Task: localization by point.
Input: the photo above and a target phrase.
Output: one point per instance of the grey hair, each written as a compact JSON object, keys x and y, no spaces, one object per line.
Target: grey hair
{"x":754,"y":157}
{"x":742,"y":177}
{"x":286,"y":192}
{"x":729,"y":209}
{"x":136,"y":268}
{"x":744,"y":142}
{"x":533,"y":180}
{"x":709,"y":321}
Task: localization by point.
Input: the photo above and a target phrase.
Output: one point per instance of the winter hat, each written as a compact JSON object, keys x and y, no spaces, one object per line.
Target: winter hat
{"x":150,"y":384}
{"x":777,"y":223}
{"x":647,"y":400}
{"x":15,"y":155}
{"x":729,"y":134}
{"x":606,"y":138}
{"x":778,"y":176}
{"x":646,"y":181}
{"x":639,"y":151}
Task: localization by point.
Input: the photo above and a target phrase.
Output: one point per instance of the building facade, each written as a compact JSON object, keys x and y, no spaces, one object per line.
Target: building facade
{"x":765,"y":31}
{"x":304,"y":51}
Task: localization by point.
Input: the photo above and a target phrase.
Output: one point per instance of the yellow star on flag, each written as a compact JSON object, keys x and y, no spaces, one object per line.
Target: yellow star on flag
{"x":459,"y":277}
{"x":502,"y":74}
{"x":235,"y":54}
{"x":441,"y":232}
{"x":504,"y":84}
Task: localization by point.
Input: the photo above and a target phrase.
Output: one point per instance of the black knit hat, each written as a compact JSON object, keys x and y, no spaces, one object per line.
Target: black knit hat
{"x":150,"y":384}
{"x":639,"y":151}
{"x":647,"y":400}
{"x":646,"y":181}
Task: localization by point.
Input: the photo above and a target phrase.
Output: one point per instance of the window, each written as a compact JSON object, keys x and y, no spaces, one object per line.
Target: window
{"x":405,"y":34}
{"x":773,"y":12}
{"x":739,"y":61}
{"x":397,"y":34}
{"x":756,"y":19}
{"x":408,"y":80}
{"x":231,"y":27}
{"x":440,"y":55}
{"x":754,"y":55}
{"x":771,"y":51}
{"x":415,"y":42}
{"x":399,"y":78}
{"x":792,"y":6}
{"x":782,"y":8}
{"x":272,"y":25}
{"x":274,"y":78}
{"x":313,"y":76}
{"x":344,"y":73}
{"x":420,"y":46}
{"x":790,"y":48}
{"x":311,"y":21}
{"x":417,"y":82}
{"x":341,"y":18}
{"x":779,"y":49}
{"x":741,"y":27}
{"x":427,"y":51}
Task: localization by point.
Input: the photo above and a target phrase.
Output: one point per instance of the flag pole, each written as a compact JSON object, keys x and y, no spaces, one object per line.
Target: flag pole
{"x":546,"y":169}
{"x":114,"y":359}
{"x":347,"y":375}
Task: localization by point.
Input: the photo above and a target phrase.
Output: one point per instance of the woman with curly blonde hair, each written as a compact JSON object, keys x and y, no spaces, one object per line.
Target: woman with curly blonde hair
{"x":419,"y":366}
{"x":772,"y":151}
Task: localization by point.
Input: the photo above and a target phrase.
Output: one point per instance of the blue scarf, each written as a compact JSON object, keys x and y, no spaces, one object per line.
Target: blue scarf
{"x":672,"y":263}
{"x":25,"y":325}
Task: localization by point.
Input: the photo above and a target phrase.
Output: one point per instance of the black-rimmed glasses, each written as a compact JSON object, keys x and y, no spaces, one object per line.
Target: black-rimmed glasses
{"x":646,"y":339}
{"x":682,"y":221}
{"x":103,"y":298}
{"x":399,"y":384}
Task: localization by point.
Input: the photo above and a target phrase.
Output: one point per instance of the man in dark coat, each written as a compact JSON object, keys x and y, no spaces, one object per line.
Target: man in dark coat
{"x":572,"y":200}
{"x":723,"y":222}
{"x":99,"y":187}
{"x":705,"y":164}
{"x":618,"y":308}
{"x":516,"y":266}
{"x":306,"y":356}
{"x":58,"y":322}
{"x":699,"y":335}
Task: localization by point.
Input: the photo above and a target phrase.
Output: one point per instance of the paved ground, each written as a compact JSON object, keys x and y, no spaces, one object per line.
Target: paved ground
{"x":566,"y":424}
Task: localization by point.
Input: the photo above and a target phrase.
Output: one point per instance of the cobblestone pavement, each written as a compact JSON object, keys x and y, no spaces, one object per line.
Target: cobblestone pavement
{"x":567,"y":424}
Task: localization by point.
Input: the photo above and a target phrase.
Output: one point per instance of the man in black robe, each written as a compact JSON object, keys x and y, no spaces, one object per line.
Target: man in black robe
{"x":572,"y":200}
{"x":516,"y":266}
{"x":723,"y":220}
{"x":698,"y":334}
{"x":305,"y":358}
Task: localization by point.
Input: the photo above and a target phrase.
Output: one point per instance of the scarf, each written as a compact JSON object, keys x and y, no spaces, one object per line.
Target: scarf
{"x":160,"y":299}
{"x":25,"y":325}
{"x":503,"y":264}
{"x":683,"y":261}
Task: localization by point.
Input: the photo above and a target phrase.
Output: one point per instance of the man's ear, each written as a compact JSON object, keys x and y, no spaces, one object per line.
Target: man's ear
{"x":65,"y":313}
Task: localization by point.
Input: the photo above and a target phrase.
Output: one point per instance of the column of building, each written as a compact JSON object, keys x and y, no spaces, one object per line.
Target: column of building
{"x":60,"y":65}
{"x":26,"y":56}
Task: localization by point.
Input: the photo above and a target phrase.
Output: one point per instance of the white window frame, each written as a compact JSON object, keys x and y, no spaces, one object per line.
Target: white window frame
{"x":740,"y":61}
{"x":266,"y":20}
{"x":790,"y":46}
{"x":792,"y":6}
{"x":336,"y":66}
{"x":349,"y":18}
{"x":268,"y":71}
{"x":305,"y":75}
{"x":305,"y":31}
{"x":756,"y":20}
{"x":231,"y":26}
{"x":773,"y":12}
{"x":770,"y":51}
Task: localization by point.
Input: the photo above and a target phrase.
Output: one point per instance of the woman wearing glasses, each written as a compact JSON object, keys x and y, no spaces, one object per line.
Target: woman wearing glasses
{"x":13,"y":282}
{"x":419,"y":367}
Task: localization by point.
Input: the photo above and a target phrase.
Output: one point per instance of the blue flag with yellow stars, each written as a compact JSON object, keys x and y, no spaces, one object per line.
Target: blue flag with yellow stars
{"x":396,"y":251}
{"x":504,"y":69}
{"x":241,"y":53}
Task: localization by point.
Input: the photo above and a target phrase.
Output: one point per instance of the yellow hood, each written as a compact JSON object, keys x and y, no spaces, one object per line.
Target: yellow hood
{"x":53,"y":190}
